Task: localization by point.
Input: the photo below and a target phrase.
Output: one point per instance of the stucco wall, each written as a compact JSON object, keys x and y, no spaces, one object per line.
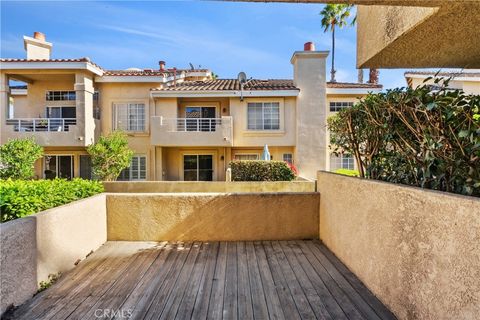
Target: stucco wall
{"x":18,"y":255}
{"x":220,"y":186}
{"x":211,"y":217}
{"x":417,"y":250}
{"x":48,"y":242}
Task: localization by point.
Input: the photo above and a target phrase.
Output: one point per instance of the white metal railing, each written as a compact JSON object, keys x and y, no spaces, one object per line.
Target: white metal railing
{"x":41,"y":124}
{"x":191,"y":124}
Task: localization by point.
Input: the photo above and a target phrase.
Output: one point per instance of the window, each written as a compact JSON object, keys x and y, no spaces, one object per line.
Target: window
{"x":136,"y":171}
{"x":58,"y":166}
{"x":60,"y":96}
{"x":288,"y":157}
{"x":342,"y":161}
{"x":61,"y":112}
{"x":337,"y":106}
{"x":264,"y":116}
{"x":198,"y":167}
{"x":246,"y":156}
{"x":129,"y":116}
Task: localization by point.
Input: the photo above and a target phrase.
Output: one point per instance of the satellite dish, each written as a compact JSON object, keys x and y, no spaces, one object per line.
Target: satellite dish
{"x":191,"y":66}
{"x":242,"y":77}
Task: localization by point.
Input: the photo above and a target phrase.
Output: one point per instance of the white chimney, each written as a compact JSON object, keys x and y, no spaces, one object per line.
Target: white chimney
{"x":37,"y":47}
{"x":309,"y":75}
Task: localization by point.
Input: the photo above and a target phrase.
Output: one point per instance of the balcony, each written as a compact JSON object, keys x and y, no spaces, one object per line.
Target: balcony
{"x":46,"y":131}
{"x":213,"y":132}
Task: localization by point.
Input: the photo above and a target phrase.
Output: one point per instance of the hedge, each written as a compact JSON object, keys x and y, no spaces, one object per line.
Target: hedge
{"x":20,"y":198}
{"x":260,"y":170}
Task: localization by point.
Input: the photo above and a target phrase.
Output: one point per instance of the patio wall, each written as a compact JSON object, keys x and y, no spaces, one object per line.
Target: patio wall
{"x":48,"y":242}
{"x":211,"y":186}
{"x":417,"y":250}
{"x":212,"y":217}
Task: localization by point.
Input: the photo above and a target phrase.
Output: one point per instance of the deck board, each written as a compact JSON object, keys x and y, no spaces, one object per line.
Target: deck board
{"x":207,"y":280}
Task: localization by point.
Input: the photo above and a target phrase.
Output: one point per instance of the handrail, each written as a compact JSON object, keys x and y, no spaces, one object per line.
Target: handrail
{"x":191,"y":124}
{"x":41,"y":124}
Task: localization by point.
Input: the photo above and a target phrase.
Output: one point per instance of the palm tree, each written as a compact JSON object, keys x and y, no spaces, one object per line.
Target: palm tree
{"x":335,"y":15}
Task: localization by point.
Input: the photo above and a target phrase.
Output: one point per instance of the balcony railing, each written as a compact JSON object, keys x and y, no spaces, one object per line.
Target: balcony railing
{"x":191,"y":124}
{"x":41,"y":124}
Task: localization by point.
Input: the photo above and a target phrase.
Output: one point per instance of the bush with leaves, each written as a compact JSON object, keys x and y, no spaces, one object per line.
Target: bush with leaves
{"x":19,"y":198}
{"x":110,"y":155}
{"x":17,"y":158}
{"x":423,"y":137}
{"x":261,"y":170}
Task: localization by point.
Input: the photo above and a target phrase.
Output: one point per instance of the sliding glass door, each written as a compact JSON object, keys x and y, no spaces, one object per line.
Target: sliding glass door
{"x":57,"y":166}
{"x":198,"y":167}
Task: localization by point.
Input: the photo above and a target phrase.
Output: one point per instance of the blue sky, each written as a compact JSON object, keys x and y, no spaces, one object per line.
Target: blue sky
{"x":257,"y":38}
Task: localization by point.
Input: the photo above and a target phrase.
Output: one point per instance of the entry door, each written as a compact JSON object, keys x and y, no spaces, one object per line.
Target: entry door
{"x":198,"y":167}
{"x":198,"y":118}
{"x":58,"y":167}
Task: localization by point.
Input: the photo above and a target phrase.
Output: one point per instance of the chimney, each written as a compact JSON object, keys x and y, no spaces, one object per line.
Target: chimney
{"x":162,"y":65}
{"x":309,"y":75}
{"x":373,"y":76}
{"x":309,"y":46}
{"x":37,"y":47}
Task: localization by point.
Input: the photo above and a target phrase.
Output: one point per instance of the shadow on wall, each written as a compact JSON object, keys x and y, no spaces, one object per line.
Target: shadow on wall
{"x":212,"y":217}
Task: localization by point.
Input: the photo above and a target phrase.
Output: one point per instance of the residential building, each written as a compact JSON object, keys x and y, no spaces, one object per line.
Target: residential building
{"x":466,"y":80}
{"x":181,"y":123}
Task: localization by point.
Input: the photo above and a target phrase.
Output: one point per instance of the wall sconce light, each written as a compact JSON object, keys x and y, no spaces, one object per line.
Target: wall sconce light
{"x":222,"y":158}
{"x":224,"y":110}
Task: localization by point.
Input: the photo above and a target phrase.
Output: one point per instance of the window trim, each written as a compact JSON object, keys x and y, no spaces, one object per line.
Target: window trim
{"x":263,"y":116}
{"x":348,"y":104}
{"x":340,"y":160}
{"x":60,"y":92}
{"x":246,"y":154}
{"x":198,"y":153}
{"x":281,"y":104}
{"x":72,"y":167}
{"x":130,"y":168}
{"x":288,"y":153}
{"x":129,"y":102}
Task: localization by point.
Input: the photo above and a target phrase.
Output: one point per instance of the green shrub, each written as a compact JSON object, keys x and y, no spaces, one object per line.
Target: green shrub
{"x":20,"y":198}
{"x":421,"y":137}
{"x":110,"y":155}
{"x":260,"y":170}
{"x":347,"y":172}
{"x":17,"y":158}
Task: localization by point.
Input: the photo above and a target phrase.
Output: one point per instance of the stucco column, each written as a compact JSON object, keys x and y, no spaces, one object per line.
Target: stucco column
{"x":4,"y":103}
{"x":158,"y":164}
{"x":84,"y":105}
{"x":311,"y":144}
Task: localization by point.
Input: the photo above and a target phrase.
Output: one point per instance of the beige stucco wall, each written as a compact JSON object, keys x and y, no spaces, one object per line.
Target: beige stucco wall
{"x":211,"y":217}
{"x":18,"y":256}
{"x":48,"y":242}
{"x":285,"y":136}
{"x":310,"y":77}
{"x":470,"y":87}
{"x":220,"y":186}
{"x":417,"y":250}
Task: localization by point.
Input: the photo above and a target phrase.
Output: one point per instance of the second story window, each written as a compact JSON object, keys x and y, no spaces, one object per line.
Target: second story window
{"x":129,"y":116}
{"x":60,"y":96}
{"x":337,"y":106}
{"x":264,"y":116}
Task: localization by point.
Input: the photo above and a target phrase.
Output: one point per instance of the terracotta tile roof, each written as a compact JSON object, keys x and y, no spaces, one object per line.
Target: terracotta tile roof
{"x":18,"y":87}
{"x":84,"y":59}
{"x":149,"y":72}
{"x":445,"y":74}
{"x":353,"y":85}
{"x":231,"y":84}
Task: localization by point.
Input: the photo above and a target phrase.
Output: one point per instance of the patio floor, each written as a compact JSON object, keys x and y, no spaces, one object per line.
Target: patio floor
{"x":207,"y":280}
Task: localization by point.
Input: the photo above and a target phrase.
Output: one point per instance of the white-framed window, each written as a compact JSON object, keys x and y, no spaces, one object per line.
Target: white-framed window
{"x":60,"y":95}
{"x":337,"y":106}
{"x":129,"y":116}
{"x":136,"y":171}
{"x":263,"y":115}
{"x":342,"y":161}
{"x":288,"y":157}
{"x":246,"y":156}
{"x":58,"y":166}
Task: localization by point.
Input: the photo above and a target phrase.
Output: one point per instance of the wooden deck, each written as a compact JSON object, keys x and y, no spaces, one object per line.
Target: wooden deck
{"x":227,"y":280}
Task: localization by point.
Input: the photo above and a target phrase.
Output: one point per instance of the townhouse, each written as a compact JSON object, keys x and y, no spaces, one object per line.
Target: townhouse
{"x":467,"y":80}
{"x":183,"y":124}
